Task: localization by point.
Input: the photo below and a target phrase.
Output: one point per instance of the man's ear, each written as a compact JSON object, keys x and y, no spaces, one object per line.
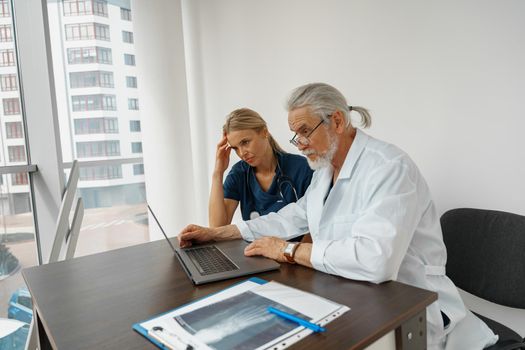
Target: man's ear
{"x":338,"y":119}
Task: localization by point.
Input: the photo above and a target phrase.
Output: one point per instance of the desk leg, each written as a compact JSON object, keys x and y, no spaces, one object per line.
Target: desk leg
{"x":43,"y":340}
{"x":412,"y":335}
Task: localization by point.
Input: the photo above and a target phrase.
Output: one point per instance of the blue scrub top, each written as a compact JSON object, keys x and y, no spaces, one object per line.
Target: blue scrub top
{"x":241,"y":185}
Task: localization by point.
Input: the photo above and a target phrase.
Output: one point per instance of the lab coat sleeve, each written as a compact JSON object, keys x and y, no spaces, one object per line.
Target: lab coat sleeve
{"x":287,"y":223}
{"x":379,"y":235}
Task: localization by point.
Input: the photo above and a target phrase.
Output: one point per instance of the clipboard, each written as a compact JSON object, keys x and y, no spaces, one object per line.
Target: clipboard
{"x":237,"y":317}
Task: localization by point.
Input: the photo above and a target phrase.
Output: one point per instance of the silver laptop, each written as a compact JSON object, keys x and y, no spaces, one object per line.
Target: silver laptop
{"x":218,"y":261}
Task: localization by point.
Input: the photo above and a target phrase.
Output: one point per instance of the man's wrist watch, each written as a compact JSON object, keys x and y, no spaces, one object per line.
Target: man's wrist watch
{"x":289,"y":251}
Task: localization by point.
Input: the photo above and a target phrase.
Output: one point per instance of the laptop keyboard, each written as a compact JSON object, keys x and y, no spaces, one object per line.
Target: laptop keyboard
{"x":209,"y":260}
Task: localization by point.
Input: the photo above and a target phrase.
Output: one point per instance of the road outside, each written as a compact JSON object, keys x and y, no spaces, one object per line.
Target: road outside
{"x":102,"y":229}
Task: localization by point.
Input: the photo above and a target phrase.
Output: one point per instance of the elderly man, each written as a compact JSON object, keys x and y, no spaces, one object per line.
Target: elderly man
{"x":369,"y":213}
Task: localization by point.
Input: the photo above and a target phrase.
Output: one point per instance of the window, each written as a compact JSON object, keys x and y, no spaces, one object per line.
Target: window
{"x":95,"y":54}
{"x":6,"y":34}
{"x":133,"y":103}
{"x":129,"y":59}
{"x":96,"y":126}
{"x":138,"y":169}
{"x":131,"y":82}
{"x":8,"y":82}
{"x":19,"y":179}
{"x":16,"y":153}
{"x":127,"y":37}
{"x":11,"y":106}
{"x":125,"y":14}
{"x":13,"y":130}
{"x":103,"y":172}
{"x":134,"y":125}
{"x":87,"y":31}
{"x":136,"y":147}
{"x":85,"y":7}
{"x":94,"y":103}
{"x":91,"y":79}
{"x":7,"y":58}
{"x":98,"y":149}
{"x":4,"y":8}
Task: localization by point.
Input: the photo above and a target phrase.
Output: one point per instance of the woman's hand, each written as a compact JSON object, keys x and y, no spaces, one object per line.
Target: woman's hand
{"x":222,"y":156}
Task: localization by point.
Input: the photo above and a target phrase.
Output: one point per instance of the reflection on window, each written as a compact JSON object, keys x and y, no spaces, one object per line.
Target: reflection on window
{"x":8,"y":82}
{"x":13,"y":130}
{"x":104,"y":125}
{"x":4,"y":8}
{"x":136,"y":147}
{"x":87,"y":31}
{"x":129,"y":59}
{"x":91,"y":79}
{"x":138,"y":169}
{"x":7,"y":58}
{"x":127,"y":37}
{"x":11,"y":106}
{"x":94,"y":54}
{"x":133,"y":103}
{"x":98,"y":102}
{"x":131,"y":82}
{"x":19,"y":179}
{"x":6,"y":33}
{"x":134,"y":125}
{"x":125,"y":14}
{"x":98,"y":149}
{"x":85,"y":7}
{"x":103,"y":172}
{"x":16,"y":153}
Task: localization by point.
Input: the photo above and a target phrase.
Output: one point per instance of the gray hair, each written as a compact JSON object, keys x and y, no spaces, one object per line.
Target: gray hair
{"x":323,"y":100}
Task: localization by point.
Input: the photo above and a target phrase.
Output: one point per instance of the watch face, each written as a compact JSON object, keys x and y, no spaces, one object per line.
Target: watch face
{"x":289,"y":249}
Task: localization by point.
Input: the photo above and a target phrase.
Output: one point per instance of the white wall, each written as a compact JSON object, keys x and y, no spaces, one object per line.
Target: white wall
{"x":443,"y":80}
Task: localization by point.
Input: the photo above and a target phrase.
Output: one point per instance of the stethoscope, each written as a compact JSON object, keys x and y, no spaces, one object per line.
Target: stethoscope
{"x":282,"y":180}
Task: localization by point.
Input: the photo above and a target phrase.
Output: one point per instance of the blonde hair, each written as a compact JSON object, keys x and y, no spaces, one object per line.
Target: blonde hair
{"x":248,"y":119}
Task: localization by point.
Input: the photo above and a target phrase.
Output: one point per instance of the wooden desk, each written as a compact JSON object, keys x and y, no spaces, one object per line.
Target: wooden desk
{"x":91,"y":302}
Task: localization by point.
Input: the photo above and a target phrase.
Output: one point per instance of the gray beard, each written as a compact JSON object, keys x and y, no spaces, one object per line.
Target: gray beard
{"x":325,"y":160}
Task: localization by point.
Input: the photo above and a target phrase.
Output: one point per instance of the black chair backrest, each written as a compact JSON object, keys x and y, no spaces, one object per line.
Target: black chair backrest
{"x":486,"y":254}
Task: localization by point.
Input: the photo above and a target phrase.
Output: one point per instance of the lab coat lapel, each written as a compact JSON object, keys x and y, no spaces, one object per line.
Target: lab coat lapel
{"x":316,"y":199}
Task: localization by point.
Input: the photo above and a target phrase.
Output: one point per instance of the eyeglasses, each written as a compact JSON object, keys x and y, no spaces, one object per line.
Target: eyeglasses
{"x":304,"y":140}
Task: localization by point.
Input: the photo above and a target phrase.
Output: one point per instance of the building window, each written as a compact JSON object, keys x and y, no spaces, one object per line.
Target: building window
{"x":8,"y":82}
{"x":4,"y":8}
{"x":87,"y":31}
{"x":16,"y":153}
{"x":13,"y":130}
{"x":94,"y":103}
{"x":138,"y":169}
{"x":19,"y":179}
{"x":6,"y":33}
{"x":91,"y":79}
{"x":98,"y":149}
{"x":134,"y":125}
{"x":129,"y":59}
{"x":136,"y":147}
{"x":95,"y":54}
{"x":103,"y":125}
{"x":127,"y":37}
{"x":133,"y":103}
{"x":102,"y":172}
{"x":85,"y":7}
{"x":7,"y":58}
{"x":11,"y":106}
{"x":125,"y":14}
{"x":131,"y":82}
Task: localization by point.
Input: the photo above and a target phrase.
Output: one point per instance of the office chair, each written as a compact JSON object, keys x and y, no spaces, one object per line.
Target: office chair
{"x":486,"y":257}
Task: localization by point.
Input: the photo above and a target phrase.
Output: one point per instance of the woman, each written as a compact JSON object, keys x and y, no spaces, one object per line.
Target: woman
{"x":265,"y":180}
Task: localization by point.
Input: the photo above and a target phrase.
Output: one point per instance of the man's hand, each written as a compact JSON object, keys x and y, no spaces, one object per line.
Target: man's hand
{"x":270,"y":247}
{"x":196,"y":234}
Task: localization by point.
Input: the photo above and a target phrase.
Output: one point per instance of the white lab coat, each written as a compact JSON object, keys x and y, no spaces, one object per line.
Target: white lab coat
{"x":379,"y":223}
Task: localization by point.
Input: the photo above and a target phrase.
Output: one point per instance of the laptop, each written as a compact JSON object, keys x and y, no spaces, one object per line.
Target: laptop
{"x":217,"y":261}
